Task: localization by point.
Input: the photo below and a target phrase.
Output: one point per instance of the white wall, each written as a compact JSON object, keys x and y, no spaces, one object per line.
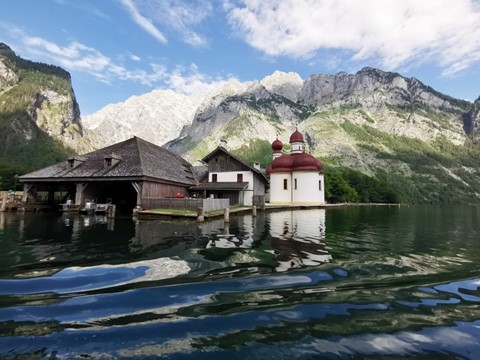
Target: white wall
{"x":231,"y":176}
{"x":308,"y":190}
{"x":278,"y":195}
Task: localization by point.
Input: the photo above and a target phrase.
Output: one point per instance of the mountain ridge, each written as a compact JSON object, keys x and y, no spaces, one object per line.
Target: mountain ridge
{"x":372,"y":123}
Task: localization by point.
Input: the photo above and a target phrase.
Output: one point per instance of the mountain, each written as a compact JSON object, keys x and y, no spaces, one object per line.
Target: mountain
{"x":412,"y":138}
{"x":380,"y":135}
{"x":39,"y":115}
{"x":158,"y":117}
{"x":371,"y":127}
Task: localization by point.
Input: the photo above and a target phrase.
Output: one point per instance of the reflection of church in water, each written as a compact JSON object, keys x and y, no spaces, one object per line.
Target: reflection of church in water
{"x":298,"y":238}
{"x":291,"y":239}
{"x":283,"y":240}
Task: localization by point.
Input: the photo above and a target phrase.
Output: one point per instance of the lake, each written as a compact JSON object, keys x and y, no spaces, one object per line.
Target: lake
{"x":366,"y":282}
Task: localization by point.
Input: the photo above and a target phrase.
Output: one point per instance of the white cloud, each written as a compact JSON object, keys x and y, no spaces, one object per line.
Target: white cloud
{"x":135,"y":57}
{"x":392,"y":33}
{"x":181,"y":17}
{"x":79,"y":57}
{"x":142,"y":21}
{"x":190,"y":81}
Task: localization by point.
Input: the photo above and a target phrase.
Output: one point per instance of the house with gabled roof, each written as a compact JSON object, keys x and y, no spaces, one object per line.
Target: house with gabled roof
{"x":128,"y":174}
{"x":231,"y":178}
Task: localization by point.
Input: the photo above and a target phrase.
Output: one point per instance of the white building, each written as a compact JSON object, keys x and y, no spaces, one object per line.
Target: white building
{"x":231,"y":178}
{"x":295,"y":178}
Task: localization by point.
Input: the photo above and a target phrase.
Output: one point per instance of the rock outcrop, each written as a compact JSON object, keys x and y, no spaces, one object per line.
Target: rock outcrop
{"x":37,"y":106}
{"x":471,"y":120}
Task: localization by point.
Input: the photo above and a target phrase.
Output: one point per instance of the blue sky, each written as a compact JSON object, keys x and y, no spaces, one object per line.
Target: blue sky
{"x":118,"y":48}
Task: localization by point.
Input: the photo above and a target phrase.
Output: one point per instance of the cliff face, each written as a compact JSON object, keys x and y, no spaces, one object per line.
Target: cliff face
{"x":386,"y":101}
{"x":471,"y":120}
{"x":39,"y":115}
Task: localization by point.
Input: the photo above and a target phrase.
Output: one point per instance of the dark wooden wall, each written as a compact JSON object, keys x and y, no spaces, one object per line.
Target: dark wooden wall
{"x":258,"y":185}
{"x":159,"y":190}
{"x":223,"y":162}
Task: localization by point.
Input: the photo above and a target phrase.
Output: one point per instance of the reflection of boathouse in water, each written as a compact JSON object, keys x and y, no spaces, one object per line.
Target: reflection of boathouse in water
{"x":283,"y":240}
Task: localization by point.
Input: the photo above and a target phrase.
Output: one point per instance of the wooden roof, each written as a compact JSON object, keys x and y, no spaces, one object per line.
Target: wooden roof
{"x":221,"y":150}
{"x":137,"y":159}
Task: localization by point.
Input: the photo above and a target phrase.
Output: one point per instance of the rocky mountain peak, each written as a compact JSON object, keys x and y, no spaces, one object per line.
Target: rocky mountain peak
{"x":5,"y":47}
{"x":287,"y":85}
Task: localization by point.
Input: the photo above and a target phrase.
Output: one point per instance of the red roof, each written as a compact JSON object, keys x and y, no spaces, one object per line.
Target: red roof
{"x":277,"y":146}
{"x":305,"y":161}
{"x":295,"y":162}
{"x":296,"y":137}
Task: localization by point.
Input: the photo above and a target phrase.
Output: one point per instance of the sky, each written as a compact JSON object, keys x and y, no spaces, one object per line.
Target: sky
{"x":115,"y":49}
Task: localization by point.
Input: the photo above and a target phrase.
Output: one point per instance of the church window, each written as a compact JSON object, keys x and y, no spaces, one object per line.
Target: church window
{"x":285,"y":184}
{"x":295,"y":184}
{"x":320,"y":185}
{"x":214,"y":177}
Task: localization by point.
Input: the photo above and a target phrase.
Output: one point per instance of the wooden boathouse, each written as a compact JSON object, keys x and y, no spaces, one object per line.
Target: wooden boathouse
{"x":127,"y":174}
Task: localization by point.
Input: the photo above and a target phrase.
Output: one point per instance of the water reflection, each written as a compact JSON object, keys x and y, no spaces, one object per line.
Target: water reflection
{"x":47,"y":244}
{"x":298,"y":238}
{"x":258,"y":287}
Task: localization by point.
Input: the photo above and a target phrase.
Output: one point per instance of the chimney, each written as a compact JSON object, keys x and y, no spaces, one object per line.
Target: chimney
{"x":223,"y":144}
{"x":256,"y":165}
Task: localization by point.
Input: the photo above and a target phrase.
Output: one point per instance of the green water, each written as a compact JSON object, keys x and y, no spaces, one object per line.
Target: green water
{"x":352,"y":283}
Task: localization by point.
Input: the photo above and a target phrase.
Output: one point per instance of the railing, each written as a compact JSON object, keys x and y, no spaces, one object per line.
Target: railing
{"x":185,"y":203}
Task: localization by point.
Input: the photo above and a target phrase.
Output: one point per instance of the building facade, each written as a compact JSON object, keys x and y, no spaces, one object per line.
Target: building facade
{"x":131,"y":173}
{"x":295,"y":178}
{"x":229,"y":177}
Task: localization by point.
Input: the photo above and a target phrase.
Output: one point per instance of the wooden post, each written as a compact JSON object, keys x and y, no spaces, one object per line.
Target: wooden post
{"x":254,"y":211}
{"x":26,"y":190}
{"x":200,"y":214}
{"x":111,"y":209}
{"x":79,"y":194}
{"x":138,"y":188}
{"x":226,"y":214}
{"x":3,"y":206}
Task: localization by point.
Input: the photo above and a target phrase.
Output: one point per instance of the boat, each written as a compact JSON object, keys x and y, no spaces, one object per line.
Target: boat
{"x":101,"y":209}
{"x":89,"y":208}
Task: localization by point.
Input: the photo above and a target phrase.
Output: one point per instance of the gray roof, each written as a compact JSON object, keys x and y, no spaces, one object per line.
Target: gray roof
{"x":201,"y":173}
{"x":138,"y":159}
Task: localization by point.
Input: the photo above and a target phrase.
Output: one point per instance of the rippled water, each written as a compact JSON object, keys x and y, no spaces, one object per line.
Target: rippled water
{"x":354,"y":283}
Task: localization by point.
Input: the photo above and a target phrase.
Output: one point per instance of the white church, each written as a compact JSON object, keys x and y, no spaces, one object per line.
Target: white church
{"x":295,"y":178}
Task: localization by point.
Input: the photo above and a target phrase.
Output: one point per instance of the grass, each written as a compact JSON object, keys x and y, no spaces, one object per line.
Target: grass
{"x":193,"y":212}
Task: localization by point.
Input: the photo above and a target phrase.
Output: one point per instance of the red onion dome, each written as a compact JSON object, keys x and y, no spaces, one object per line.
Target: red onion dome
{"x":268,"y":170}
{"x":296,"y":137}
{"x":283,"y":163}
{"x":306,"y":161}
{"x":277,"y":146}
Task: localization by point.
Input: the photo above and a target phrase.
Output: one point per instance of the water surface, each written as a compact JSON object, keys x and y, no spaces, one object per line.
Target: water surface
{"x":354,"y":283}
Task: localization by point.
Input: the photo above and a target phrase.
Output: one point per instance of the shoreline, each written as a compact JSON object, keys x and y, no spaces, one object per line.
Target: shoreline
{"x":152,"y":213}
